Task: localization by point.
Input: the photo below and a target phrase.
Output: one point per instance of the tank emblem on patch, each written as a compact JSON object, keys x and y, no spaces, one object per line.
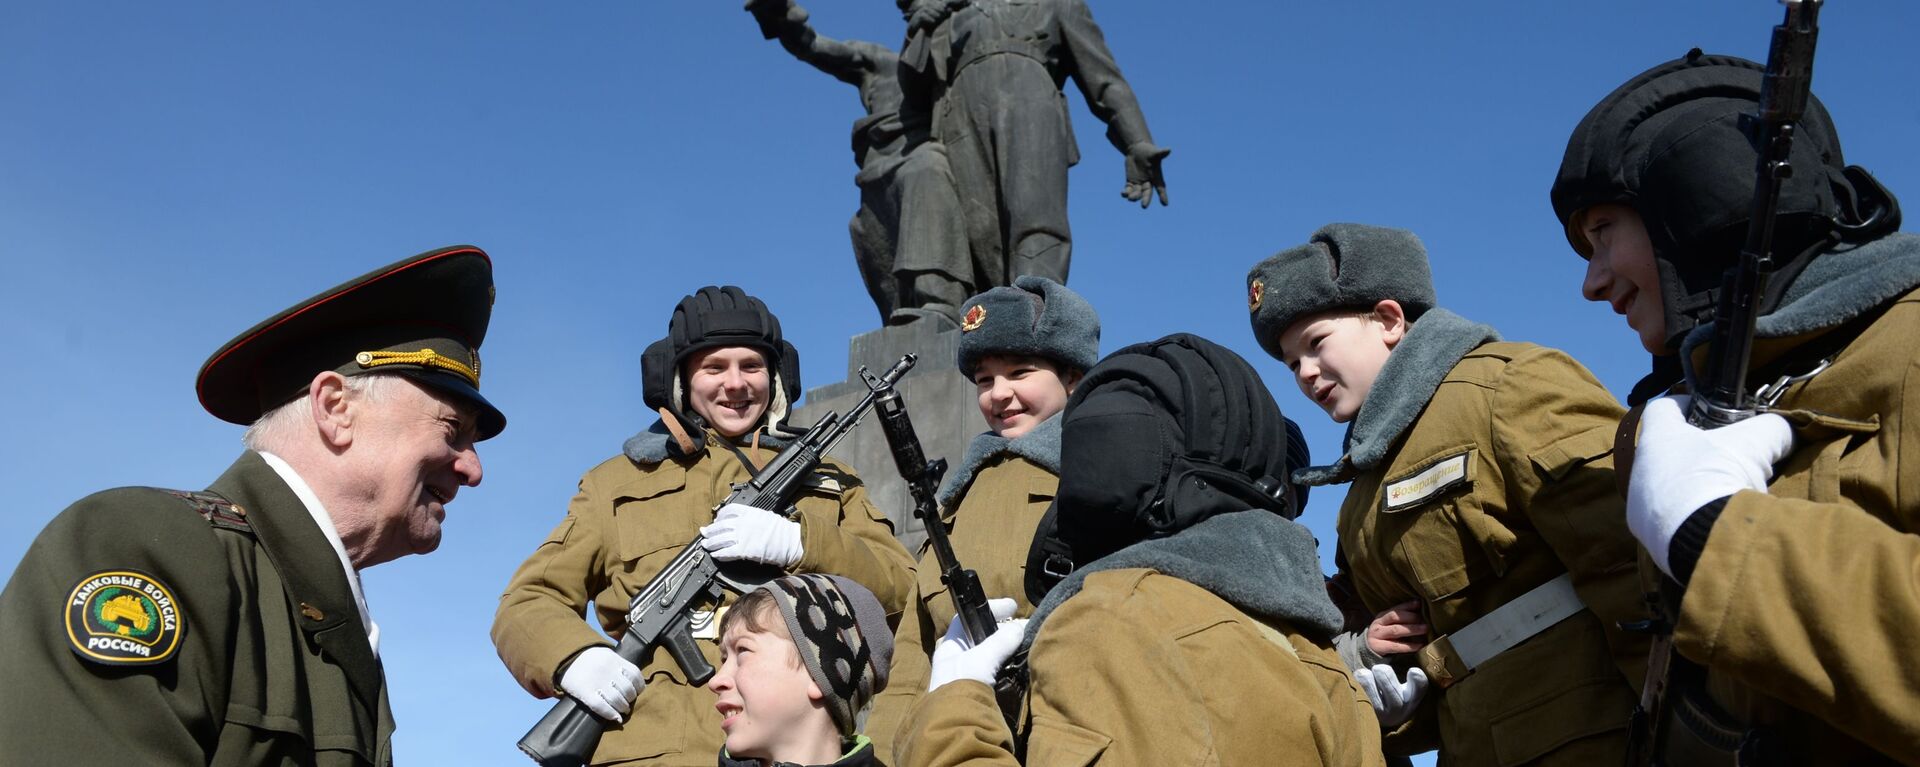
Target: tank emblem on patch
{"x":1255,"y":293}
{"x":975,"y":316}
{"x":124,"y":618}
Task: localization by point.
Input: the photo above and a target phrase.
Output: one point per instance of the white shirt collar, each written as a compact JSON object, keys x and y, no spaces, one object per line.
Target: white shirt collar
{"x":325,"y":522}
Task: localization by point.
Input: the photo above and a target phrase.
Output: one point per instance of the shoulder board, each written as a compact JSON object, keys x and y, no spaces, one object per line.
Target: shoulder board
{"x":217,"y":511}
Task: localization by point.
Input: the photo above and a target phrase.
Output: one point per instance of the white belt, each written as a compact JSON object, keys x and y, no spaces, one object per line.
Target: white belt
{"x":1453,"y":657}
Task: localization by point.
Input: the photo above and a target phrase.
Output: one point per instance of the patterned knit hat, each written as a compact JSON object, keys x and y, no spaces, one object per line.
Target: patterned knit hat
{"x":841,"y":632}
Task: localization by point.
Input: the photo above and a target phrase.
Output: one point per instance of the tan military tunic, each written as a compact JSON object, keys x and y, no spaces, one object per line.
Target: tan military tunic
{"x":1811,"y":592}
{"x":991,"y":529}
{"x":1141,"y":668}
{"x":272,"y":665}
{"x":1505,"y":482}
{"x":626,"y":523}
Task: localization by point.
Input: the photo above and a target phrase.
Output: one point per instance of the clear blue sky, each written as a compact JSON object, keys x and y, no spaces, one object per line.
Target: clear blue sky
{"x":172,"y":173}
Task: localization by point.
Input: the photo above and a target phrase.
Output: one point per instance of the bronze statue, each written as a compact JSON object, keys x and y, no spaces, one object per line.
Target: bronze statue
{"x":993,"y":71}
{"x":908,"y":236}
{"x":966,"y":143}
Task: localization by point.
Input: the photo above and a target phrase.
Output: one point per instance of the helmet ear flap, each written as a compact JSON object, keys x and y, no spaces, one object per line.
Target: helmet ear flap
{"x":656,"y":375}
{"x":787,"y":398}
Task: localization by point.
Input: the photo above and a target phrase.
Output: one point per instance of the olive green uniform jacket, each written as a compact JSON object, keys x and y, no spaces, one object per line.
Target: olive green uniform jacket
{"x":273,"y":665}
{"x":1140,"y":667}
{"x":628,"y":521}
{"x":1810,"y":593}
{"x":1502,"y":482}
{"x":1001,"y":509}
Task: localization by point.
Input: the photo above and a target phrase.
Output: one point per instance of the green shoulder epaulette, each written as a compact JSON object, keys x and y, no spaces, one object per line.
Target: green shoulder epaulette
{"x":217,"y":511}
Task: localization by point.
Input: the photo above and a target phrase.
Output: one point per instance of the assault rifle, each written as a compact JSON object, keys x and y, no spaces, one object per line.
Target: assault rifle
{"x":661,"y":615}
{"x":963,"y":585}
{"x":1722,"y":397}
{"x":923,"y":481}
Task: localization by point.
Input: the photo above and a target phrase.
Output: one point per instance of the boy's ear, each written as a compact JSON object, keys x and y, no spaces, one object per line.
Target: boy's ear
{"x":1393,"y":321}
{"x":814,"y":695}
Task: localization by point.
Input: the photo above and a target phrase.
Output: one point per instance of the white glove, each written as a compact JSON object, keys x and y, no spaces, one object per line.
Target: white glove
{"x":602,"y":681}
{"x":1677,"y":468}
{"x":740,"y":531}
{"x":1393,"y":700}
{"x":956,"y":658}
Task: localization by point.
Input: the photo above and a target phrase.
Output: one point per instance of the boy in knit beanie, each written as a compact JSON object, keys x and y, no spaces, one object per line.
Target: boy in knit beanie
{"x":801,"y":659}
{"x":1482,"y":493}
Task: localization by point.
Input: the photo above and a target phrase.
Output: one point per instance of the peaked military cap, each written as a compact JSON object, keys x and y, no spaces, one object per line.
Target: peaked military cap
{"x":423,"y":318}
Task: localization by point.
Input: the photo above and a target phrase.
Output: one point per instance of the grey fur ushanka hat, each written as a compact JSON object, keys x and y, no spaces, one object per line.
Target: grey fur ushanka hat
{"x":1036,"y":317}
{"x":1343,"y":266}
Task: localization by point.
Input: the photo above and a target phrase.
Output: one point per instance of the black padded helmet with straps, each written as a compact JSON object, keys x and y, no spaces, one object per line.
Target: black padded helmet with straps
{"x":719,"y":316}
{"x":1674,"y":144}
{"x":1157,"y":438}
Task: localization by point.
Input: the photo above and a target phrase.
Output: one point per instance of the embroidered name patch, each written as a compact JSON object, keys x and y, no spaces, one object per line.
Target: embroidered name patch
{"x":123,"y":618}
{"x":1426,"y":484}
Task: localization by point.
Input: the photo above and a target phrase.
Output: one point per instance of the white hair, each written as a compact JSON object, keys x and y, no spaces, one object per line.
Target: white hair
{"x":276,"y":426}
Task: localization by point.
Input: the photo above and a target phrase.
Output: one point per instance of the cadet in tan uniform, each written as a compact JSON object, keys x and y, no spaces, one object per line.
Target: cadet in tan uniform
{"x":1793,"y":536}
{"x":1195,"y":627}
{"x":1025,"y":347}
{"x":227,"y":626}
{"x":723,"y":380}
{"x":1482,"y":489}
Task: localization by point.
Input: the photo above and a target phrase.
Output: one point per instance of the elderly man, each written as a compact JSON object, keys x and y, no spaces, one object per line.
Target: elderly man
{"x":227,"y":626}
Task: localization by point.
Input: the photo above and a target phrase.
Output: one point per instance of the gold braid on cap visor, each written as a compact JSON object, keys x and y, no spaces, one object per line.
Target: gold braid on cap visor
{"x":424,"y":358}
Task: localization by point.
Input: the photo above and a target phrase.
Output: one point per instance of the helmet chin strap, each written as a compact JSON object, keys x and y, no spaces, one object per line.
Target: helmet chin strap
{"x":679,"y":434}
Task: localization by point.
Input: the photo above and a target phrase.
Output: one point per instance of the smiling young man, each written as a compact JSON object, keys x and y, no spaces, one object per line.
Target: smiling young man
{"x":228,"y":626}
{"x":723,"y":382}
{"x":1791,"y":536}
{"x":802,"y":657}
{"x":1025,"y":347}
{"x":1482,"y":500}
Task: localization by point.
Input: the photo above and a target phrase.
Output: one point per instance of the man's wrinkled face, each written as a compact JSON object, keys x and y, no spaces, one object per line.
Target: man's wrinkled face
{"x":1017,"y":392}
{"x":1621,"y":271}
{"x":1335,"y":356}
{"x":728,"y":386}
{"x":412,"y":451}
{"x":768,"y":702}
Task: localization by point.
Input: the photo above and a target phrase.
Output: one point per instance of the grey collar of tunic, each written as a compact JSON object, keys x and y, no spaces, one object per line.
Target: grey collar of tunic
{"x":1255,"y":560}
{"x":1402,"y":390}
{"x":1840,"y":285}
{"x":649,"y":447}
{"x":1040,"y":445}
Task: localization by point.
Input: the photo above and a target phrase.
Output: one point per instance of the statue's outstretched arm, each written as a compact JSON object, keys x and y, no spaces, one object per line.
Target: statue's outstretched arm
{"x":1111,"y":99}
{"x":850,"y":61}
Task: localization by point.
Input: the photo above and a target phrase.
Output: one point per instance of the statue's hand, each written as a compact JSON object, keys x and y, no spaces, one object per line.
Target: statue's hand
{"x":924,"y":15}
{"x":776,"y":15}
{"x":1144,"y":177}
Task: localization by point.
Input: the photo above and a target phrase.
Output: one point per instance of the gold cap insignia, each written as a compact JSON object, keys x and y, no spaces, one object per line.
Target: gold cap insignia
{"x":426,"y":358}
{"x":975,"y":316}
{"x":1255,"y":293}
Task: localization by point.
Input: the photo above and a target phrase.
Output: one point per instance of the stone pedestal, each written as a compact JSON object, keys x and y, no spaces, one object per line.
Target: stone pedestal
{"x":944,"y":406}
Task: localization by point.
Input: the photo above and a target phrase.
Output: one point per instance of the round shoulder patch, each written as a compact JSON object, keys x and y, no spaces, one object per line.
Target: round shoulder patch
{"x":124,"y":618}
